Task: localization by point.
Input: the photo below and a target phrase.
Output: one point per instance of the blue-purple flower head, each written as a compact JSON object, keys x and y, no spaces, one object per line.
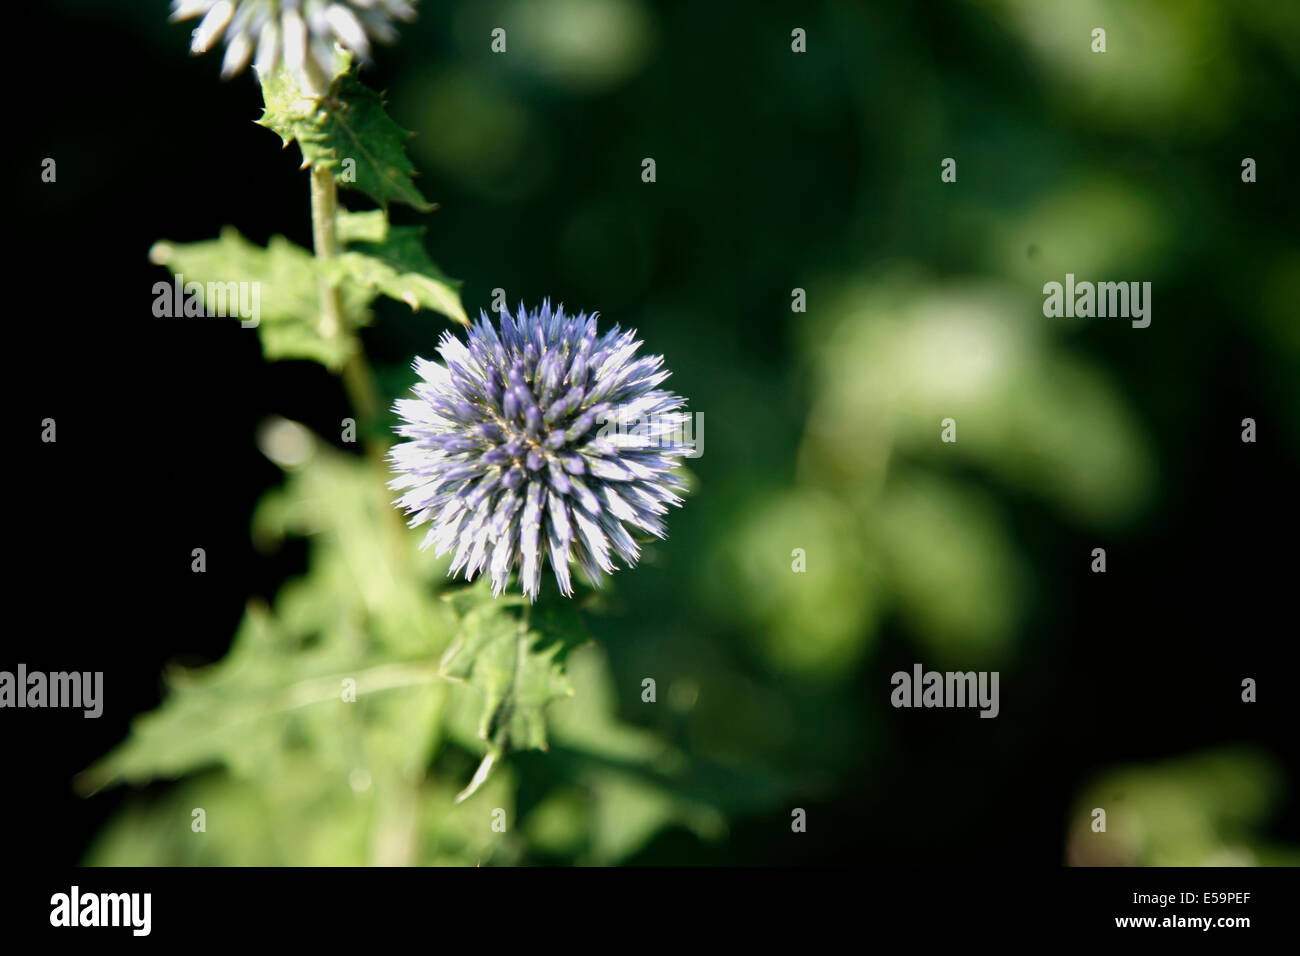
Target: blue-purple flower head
{"x":541,"y":441}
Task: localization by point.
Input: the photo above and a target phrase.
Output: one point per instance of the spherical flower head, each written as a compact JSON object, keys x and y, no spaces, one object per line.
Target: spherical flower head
{"x":302,"y":32}
{"x":542,"y":440}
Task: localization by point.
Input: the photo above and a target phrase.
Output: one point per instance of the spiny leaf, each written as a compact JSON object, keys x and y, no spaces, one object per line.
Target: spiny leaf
{"x":399,"y":267}
{"x":358,"y":615}
{"x":382,"y":260}
{"x":517,"y":671}
{"x":285,"y":278}
{"x":347,"y":124}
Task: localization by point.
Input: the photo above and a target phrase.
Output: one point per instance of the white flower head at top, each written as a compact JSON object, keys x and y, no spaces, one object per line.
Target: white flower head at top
{"x":300,"y":33}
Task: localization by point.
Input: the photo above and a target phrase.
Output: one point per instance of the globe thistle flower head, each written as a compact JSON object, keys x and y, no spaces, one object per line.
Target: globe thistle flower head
{"x":541,"y":441}
{"x":302,"y":33}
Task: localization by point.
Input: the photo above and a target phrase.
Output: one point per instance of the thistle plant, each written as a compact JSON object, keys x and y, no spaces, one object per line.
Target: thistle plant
{"x":539,"y":440}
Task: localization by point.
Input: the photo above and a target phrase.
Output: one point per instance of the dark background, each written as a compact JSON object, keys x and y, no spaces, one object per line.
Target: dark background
{"x":772,"y":171}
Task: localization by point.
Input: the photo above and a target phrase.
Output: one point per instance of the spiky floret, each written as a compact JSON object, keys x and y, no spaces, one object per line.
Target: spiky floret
{"x":301,"y":33}
{"x":542,"y":440}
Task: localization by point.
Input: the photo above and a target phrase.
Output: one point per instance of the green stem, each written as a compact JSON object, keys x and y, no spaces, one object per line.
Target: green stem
{"x":362,"y":391}
{"x":394,"y":840}
{"x":325,"y":239}
{"x":357,"y":377}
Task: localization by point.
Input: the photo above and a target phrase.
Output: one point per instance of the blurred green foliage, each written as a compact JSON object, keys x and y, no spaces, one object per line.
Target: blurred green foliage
{"x":1203,"y":810}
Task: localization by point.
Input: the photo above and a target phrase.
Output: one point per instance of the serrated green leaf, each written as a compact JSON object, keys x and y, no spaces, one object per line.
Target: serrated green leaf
{"x":399,"y":267}
{"x":361,"y":614}
{"x":284,"y":270}
{"x":286,"y":279}
{"x":348,"y":124}
{"x":383,"y":260}
{"x":516,"y":670}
